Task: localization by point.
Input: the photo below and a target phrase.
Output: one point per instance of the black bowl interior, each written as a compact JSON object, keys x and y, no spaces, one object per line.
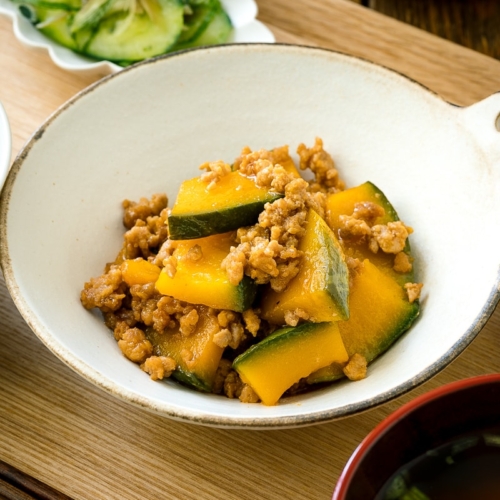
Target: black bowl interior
{"x":457,"y":414}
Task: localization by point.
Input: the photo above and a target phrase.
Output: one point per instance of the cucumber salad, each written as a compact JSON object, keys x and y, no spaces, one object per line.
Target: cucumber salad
{"x":255,"y":283}
{"x":127,"y":31}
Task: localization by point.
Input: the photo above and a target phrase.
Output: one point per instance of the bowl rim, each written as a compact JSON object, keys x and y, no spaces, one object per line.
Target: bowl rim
{"x":6,"y":142}
{"x":394,"y":418}
{"x":184,"y":414}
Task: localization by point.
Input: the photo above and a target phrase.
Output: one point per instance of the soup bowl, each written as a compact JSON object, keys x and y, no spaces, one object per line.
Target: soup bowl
{"x":147,"y":128}
{"x":441,"y":435}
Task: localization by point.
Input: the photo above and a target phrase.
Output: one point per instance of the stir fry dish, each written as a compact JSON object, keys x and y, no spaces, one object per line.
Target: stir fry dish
{"x":256,"y":283}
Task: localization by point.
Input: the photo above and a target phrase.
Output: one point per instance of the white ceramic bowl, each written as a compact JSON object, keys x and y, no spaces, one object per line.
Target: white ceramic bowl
{"x":5,"y":145}
{"x":241,"y":12}
{"x":147,"y":128}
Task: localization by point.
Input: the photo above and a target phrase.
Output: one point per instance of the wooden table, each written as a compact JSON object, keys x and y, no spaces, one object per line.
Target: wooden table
{"x":63,"y":431}
{"x":472,"y":23}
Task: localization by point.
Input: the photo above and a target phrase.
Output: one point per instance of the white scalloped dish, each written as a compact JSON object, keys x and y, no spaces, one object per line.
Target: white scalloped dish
{"x":241,"y":12}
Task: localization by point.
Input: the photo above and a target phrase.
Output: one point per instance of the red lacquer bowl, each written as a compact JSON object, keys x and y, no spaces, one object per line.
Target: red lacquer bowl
{"x":428,"y":422}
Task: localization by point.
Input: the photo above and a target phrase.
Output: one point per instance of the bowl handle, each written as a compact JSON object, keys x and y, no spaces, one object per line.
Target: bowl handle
{"x":482,"y":119}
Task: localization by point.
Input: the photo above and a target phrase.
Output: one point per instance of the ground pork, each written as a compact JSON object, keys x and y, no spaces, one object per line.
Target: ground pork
{"x":166,"y":250}
{"x":223,"y":370}
{"x":248,"y":395}
{"x":390,"y":238}
{"x":105,"y":292}
{"x":123,"y":315}
{"x":355,"y":266}
{"x":279,"y":156}
{"x":214,"y":172}
{"x":351,"y":226}
{"x":194,"y":254}
{"x":413,"y":291}
{"x":135,"y":346}
{"x":230,"y":383}
{"x":360,"y":223}
{"x":368,"y":211}
{"x":132,"y":211}
{"x":402,"y":263}
{"x":144,"y":302}
{"x":164,"y":316}
{"x":356,"y":367}
{"x":158,"y":367}
{"x":252,"y":321}
{"x":188,"y":321}
{"x":146,"y":237}
{"x":231,"y":332}
{"x":292,"y":318}
{"x":267,"y":252}
{"x":321,"y":164}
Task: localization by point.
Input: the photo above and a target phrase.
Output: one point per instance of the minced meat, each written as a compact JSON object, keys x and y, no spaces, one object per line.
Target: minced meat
{"x":268,"y":252}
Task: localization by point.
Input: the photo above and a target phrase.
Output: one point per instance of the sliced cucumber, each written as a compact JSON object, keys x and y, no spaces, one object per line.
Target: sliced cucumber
{"x":196,"y":20}
{"x":57,"y":28}
{"x":71,"y":5}
{"x":51,"y":20}
{"x":121,"y":37}
{"x":90,"y":15}
{"x":195,"y":2}
{"x":127,"y":31}
{"x":216,"y":31}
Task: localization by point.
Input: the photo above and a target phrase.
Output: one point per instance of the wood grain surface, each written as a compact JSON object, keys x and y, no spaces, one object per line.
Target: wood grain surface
{"x":83,"y":442}
{"x":17,"y":485}
{"x":472,"y":23}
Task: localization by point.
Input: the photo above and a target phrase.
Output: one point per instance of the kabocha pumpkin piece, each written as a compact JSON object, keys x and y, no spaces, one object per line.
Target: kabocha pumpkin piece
{"x":280,"y":360}
{"x":196,"y":355}
{"x":329,"y":373}
{"x":199,"y":278}
{"x":343,"y":202}
{"x":380,"y":313}
{"x":232,"y":202}
{"x":347,"y":202}
{"x":320,"y":290}
{"x":139,"y":272}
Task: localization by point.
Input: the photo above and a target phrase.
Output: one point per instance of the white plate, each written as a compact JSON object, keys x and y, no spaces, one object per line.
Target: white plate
{"x":128,"y":137}
{"x":241,"y":12}
{"x":5,"y":146}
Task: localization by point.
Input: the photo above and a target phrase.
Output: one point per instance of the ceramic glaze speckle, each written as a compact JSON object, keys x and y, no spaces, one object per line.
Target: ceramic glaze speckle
{"x":149,"y":127}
